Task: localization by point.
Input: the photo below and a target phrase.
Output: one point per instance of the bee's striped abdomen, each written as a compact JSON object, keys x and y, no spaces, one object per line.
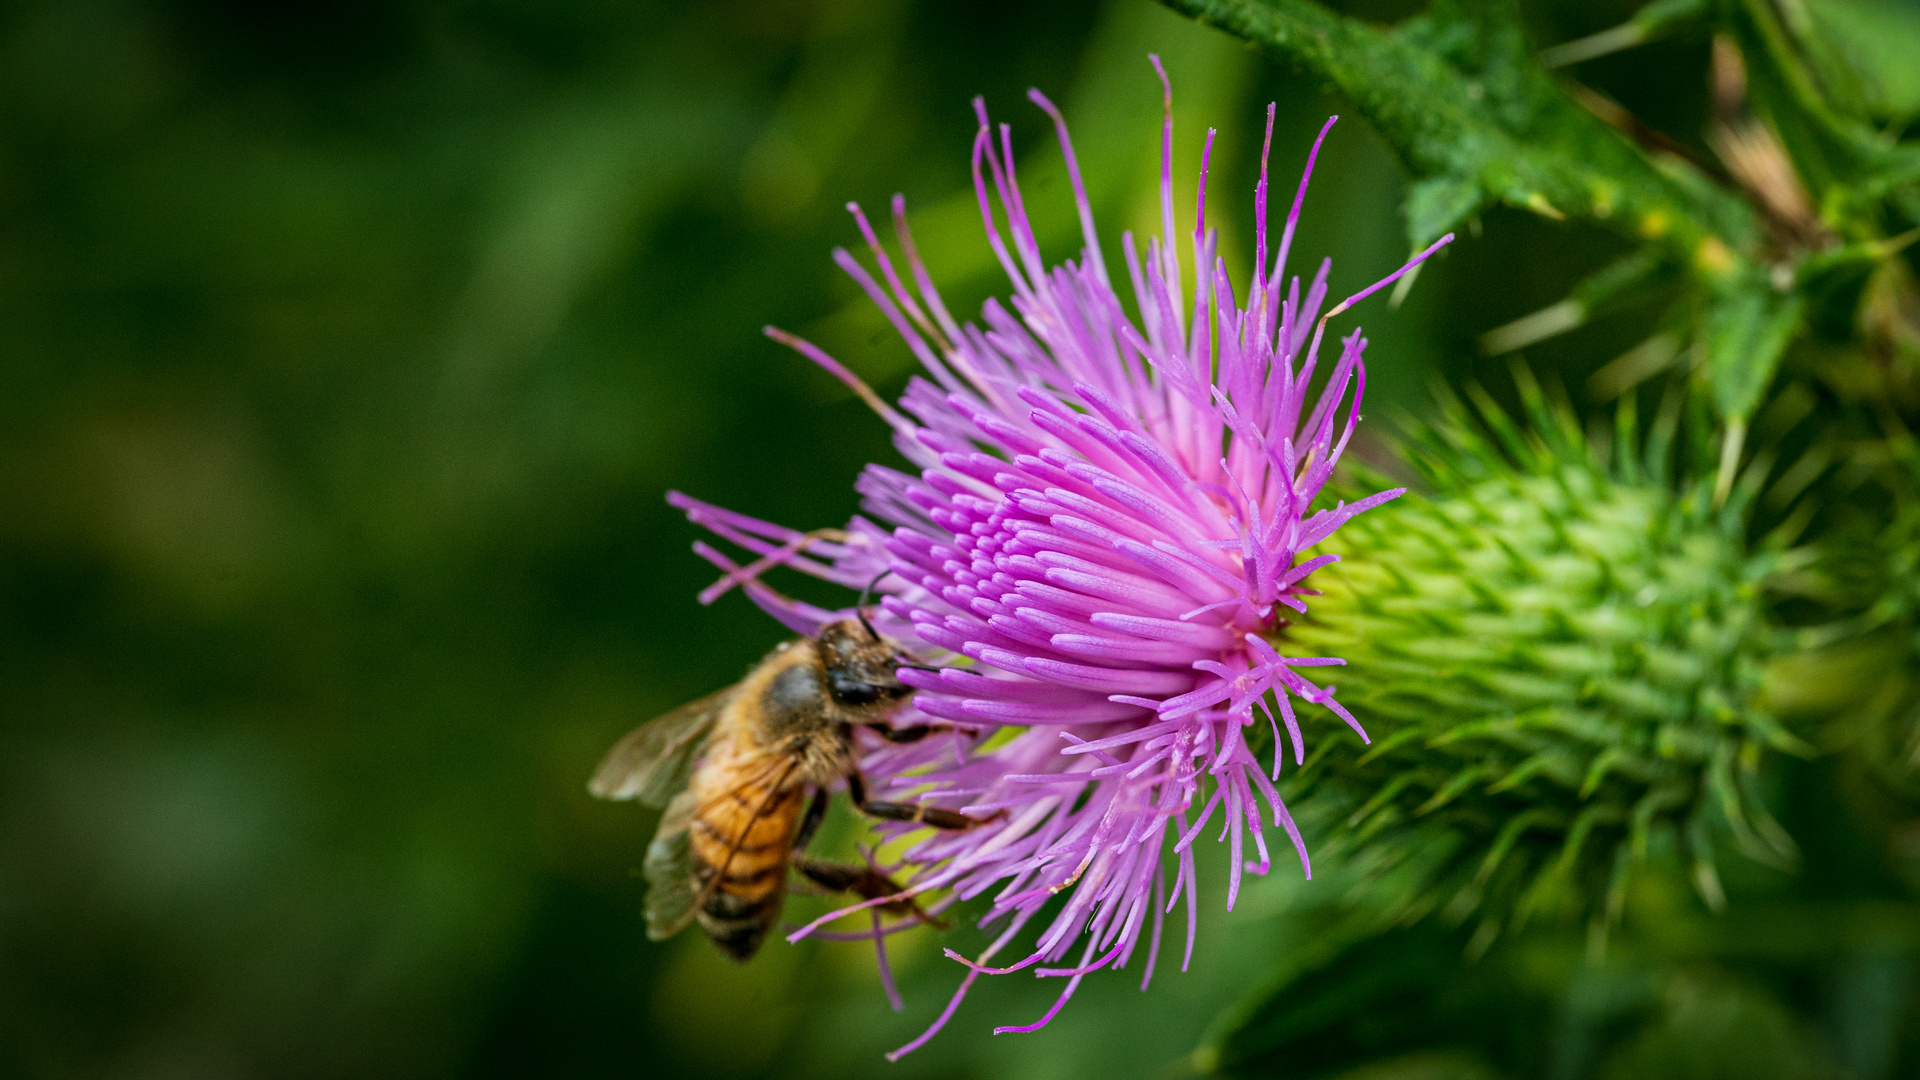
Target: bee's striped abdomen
{"x":748,"y":829}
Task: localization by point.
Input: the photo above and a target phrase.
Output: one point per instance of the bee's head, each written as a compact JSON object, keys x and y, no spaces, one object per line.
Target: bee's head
{"x":861,"y":665}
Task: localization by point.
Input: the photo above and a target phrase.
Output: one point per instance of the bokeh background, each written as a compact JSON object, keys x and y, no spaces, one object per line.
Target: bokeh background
{"x":347,"y":350}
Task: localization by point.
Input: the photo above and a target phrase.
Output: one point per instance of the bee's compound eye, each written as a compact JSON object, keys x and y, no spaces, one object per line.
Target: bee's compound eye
{"x":848,"y":690}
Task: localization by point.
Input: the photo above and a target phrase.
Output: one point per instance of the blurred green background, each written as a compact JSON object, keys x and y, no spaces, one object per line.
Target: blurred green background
{"x":346,"y":351}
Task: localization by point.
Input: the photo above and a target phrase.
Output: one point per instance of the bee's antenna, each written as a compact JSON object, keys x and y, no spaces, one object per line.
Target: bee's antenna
{"x":860,"y":610}
{"x":860,"y":613}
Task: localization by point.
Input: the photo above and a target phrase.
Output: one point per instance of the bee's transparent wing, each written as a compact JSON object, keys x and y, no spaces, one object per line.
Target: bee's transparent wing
{"x":654,"y":761}
{"x":671,"y":897}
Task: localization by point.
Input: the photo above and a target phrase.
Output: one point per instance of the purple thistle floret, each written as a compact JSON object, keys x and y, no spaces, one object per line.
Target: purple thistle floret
{"x":1105,"y":537}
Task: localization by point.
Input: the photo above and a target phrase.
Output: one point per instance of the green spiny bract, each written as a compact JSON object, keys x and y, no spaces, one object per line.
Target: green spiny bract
{"x":1559,"y":658}
{"x":1856,"y":673}
{"x":1884,"y":718}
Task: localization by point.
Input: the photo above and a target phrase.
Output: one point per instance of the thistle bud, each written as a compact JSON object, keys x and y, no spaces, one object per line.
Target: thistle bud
{"x":1559,"y":652}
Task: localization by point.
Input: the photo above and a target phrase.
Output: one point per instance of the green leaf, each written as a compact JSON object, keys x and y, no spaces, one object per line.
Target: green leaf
{"x":1747,"y":331}
{"x":1596,"y":293}
{"x":1875,"y":40}
{"x":1437,"y":204}
{"x":1477,"y":120}
{"x":1824,"y":126}
{"x":1650,"y":23}
{"x":1328,"y":1014}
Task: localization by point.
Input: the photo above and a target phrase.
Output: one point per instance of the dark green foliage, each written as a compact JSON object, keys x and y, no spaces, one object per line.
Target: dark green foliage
{"x":1377,"y":1007}
{"x":1376,"y":993}
{"x":1479,"y":119}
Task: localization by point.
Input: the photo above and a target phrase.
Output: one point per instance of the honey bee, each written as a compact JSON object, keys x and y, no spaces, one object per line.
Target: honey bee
{"x":734,"y":769}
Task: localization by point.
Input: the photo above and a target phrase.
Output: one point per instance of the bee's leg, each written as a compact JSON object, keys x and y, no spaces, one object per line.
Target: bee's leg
{"x":908,"y":734}
{"x":810,"y":824}
{"x":864,"y":882}
{"x":937,"y":816}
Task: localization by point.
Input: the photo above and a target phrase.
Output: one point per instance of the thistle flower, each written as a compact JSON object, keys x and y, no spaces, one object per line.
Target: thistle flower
{"x":1109,"y":529}
{"x":1571,"y":653}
